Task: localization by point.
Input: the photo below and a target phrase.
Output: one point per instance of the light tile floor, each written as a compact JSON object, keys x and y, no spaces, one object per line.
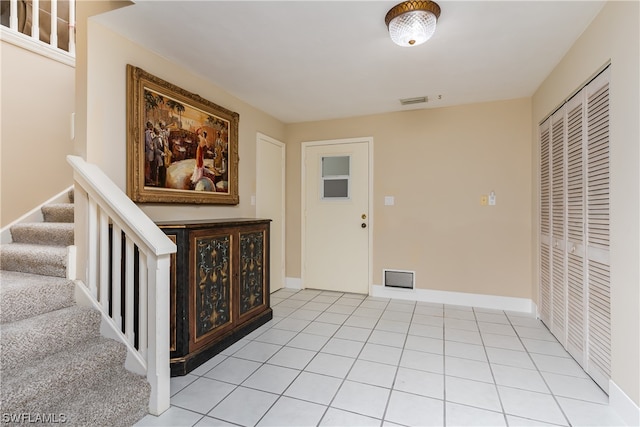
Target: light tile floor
{"x":334,"y":359}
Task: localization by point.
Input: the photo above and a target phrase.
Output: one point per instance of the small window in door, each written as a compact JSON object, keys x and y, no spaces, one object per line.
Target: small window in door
{"x":335,"y":177}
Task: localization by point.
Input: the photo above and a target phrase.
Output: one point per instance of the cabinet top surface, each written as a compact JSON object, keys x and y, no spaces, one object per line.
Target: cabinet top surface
{"x":198,"y":223}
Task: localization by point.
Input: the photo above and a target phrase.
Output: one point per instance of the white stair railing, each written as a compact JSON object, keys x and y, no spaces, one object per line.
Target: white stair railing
{"x":21,"y":25}
{"x":126,"y":273}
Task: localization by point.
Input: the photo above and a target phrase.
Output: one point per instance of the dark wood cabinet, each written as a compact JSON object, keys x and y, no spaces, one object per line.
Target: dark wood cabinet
{"x":219,"y":284}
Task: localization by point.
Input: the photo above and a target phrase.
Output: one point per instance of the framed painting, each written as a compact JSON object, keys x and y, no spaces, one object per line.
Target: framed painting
{"x":181,"y":148}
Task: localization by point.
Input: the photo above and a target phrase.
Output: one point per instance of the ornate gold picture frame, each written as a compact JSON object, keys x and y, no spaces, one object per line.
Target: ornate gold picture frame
{"x":181,"y":148}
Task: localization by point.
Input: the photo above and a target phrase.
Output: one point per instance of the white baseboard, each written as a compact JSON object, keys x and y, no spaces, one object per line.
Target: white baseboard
{"x":495,"y":302}
{"x":293,"y":283}
{"x":623,"y":405}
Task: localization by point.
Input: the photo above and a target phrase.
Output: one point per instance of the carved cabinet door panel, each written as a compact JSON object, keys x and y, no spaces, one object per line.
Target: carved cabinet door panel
{"x":253,"y":275}
{"x":211,"y":300}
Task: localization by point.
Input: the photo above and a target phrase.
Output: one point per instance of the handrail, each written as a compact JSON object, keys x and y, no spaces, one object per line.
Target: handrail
{"x":128,"y":259}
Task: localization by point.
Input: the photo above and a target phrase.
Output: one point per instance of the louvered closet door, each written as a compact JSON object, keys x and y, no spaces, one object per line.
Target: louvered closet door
{"x":598,"y":297}
{"x":576,"y":289}
{"x":545,"y":223}
{"x":558,"y":225}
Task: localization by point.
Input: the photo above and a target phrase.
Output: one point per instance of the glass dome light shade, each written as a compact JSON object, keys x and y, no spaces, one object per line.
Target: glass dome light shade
{"x":412,"y":23}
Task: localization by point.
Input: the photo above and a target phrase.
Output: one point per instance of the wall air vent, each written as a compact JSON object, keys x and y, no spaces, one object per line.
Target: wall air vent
{"x":398,"y":279}
{"x":411,"y":101}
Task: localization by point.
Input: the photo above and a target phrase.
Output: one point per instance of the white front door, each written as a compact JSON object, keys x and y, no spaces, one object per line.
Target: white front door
{"x":270,"y":190}
{"x":336,"y":222}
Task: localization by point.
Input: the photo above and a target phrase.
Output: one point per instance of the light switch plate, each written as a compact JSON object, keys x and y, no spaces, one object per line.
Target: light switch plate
{"x":389,"y":201}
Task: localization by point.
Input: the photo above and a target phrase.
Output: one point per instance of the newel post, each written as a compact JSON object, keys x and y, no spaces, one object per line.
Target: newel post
{"x":158,"y":370}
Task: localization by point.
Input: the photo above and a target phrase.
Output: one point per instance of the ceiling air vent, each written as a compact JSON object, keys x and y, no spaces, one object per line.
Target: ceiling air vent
{"x":410,"y":101}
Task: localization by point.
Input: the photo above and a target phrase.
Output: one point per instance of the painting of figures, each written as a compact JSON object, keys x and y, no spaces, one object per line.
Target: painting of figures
{"x":181,"y":148}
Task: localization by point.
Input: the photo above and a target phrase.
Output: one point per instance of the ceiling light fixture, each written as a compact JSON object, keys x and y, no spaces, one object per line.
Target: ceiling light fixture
{"x":412,"y":23}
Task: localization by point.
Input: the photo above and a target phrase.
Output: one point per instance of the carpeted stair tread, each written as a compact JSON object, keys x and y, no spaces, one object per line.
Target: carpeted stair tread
{"x":24,"y":295}
{"x":43,"y":233}
{"x":58,"y":212}
{"x":27,"y":341}
{"x":120,"y":401}
{"x":53,"y":360}
{"x":60,"y":375}
{"x":35,"y":259}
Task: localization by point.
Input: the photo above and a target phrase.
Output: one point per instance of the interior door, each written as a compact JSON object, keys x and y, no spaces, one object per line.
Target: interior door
{"x":597,"y":224}
{"x":546,"y":300}
{"x":558,"y":227}
{"x":270,"y":201}
{"x":576,"y":249}
{"x":336,"y":216}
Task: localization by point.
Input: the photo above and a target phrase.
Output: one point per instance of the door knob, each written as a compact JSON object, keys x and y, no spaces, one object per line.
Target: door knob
{"x":363,"y":225}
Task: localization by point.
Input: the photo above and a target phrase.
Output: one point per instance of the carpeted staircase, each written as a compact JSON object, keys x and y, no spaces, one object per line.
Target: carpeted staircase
{"x":54,"y":365}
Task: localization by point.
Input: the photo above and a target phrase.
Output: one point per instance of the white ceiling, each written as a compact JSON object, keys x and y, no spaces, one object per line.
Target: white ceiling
{"x":314,"y":60}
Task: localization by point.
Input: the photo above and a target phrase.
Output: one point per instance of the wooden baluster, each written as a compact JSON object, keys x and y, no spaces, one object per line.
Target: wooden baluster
{"x":13,"y":15}
{"x":35,"y":19}
{"x":72,"y":27}
{"x":53,"y":37}
{"x":116,"y":274}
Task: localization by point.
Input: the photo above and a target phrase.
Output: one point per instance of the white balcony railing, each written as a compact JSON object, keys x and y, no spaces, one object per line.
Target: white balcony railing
{"x":127,"y":261}
{"x":45,"y":27}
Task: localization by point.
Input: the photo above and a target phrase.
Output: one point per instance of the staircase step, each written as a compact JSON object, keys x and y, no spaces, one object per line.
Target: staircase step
{"x":27,"y":341}
{"x":35,"y":259}
{"x":122,"y":400}
{"x":58,"y":212}
{"x":43,"y":233}
{"x":53,"y":360}
{"x":61,"y":375}
{"x":24,"y":295}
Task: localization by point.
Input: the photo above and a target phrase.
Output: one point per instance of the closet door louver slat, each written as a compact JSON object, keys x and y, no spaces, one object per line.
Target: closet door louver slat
{"x":545,"y":226}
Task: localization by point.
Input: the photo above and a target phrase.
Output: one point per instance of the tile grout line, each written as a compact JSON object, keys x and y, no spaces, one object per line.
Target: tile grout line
{"x":237,"y":386}
{"x":495,"y":383}
{"x":306,"y":365}
{"x":349,"y":371}
{"x":538,"y":370}
{"x":343,"y":380}
{"x":397,"y":366}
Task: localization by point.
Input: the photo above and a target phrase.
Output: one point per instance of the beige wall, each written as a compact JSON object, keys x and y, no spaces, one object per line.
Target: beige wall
{"x":614,"y":35}
{"x":437,"y":163}
{"x":84,"y":10}
{"x":106,"y":119}
{"x":36,"y":131}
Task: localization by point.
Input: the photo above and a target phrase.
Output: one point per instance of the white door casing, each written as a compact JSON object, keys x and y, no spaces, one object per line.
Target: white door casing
{"x":270,"y":201}
{"x":337,"y":226}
